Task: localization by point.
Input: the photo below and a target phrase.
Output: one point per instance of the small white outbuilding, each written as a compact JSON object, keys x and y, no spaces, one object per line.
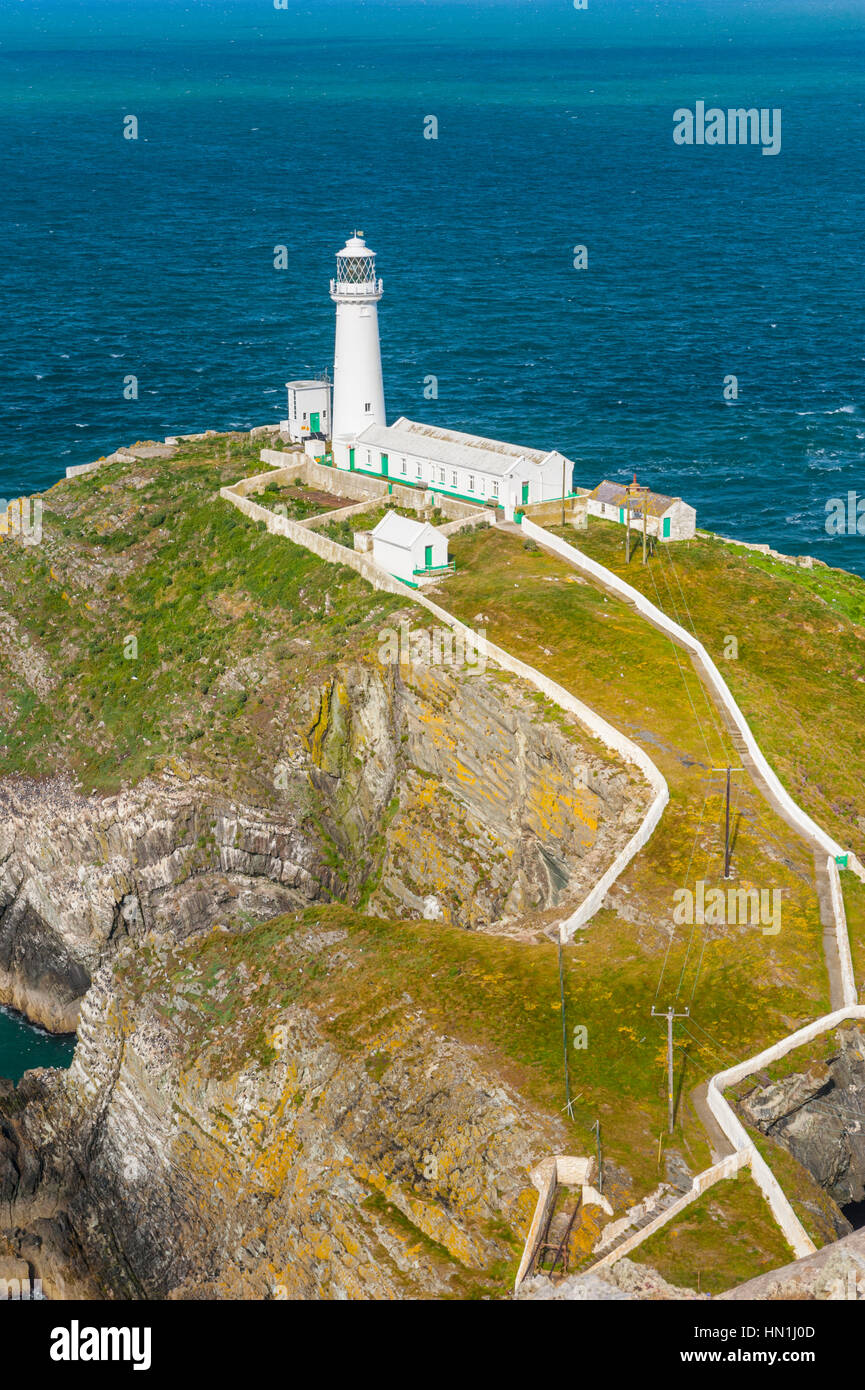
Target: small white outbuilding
{"x":308,"y":410}
{"x":411,"y":550}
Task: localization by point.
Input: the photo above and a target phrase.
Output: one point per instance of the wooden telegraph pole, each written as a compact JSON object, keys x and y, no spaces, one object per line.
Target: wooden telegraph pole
{"x":669,"y":1014}
{"x":729,"y":771}
{"x":645,"y":492}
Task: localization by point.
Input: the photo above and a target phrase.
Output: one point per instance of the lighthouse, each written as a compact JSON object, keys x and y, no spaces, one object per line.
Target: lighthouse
{"x":358,"y":390}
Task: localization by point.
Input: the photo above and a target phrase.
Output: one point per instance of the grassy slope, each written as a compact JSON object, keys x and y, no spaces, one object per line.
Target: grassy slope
{"x":733,"y":1214}
{"x":854,"y":906}
{"x":202,"y":589}
{"x":744,"y":988}
{"x":230,"y":625}
{"x":800,"y":672}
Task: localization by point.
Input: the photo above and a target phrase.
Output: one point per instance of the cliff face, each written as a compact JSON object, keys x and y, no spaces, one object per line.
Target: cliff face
{"x":432,"y":795}
{"x":818,"y":1115}
{"x":223,"y":1133}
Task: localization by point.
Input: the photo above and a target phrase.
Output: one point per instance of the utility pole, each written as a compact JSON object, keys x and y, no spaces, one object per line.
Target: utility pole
{"x":669,"y":1014}
{"x":569,"y":1102}
{"x":597,"y":1128}
{"x":645,"y":509}
{"x":728,"y":771}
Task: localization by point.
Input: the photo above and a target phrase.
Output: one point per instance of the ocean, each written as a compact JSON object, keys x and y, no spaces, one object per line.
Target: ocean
{"x":23,"y":1046}
{"x":261,"y":127}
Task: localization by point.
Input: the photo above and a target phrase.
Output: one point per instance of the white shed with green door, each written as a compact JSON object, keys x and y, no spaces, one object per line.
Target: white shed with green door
{"x":308,"y":410}
{"x":411,"y":550}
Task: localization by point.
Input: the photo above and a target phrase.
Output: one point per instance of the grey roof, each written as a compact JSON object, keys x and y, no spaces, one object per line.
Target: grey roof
{"x":400,"y":530}
{"x":450,"y":447}
{"x":616,"y":495}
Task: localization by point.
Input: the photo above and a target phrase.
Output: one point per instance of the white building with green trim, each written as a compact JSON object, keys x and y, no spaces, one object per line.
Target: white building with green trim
{"x":465,"y":466}
{"x":411,"y":550}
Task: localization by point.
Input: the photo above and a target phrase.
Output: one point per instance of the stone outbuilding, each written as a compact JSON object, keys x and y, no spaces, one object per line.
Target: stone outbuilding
{"x":667,"y":518}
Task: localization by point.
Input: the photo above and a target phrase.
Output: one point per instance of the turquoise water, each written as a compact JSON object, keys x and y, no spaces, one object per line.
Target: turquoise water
{"x":260,"y":128}
{"x":22,"y":1046}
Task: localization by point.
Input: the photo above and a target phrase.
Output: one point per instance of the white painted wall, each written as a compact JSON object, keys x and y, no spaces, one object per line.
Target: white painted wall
{"x":357,"y":376}
{"x":305,"y":400}
{"x":611,"y":737}
{"x":721,"y":690}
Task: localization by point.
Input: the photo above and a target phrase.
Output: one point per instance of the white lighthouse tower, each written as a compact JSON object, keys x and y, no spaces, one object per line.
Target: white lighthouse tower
{"x":358,"y":390}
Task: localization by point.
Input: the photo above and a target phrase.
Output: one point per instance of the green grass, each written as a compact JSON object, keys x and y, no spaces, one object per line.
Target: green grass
{"x":854,"y":907}
{"x":799,"y":675}
{"x":727,"y":1236}
{"x":227,"y":623}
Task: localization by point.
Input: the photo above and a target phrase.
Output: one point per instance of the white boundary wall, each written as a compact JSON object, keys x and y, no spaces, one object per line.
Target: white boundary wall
{"x":729,"y":1122}
{"x":611,"y":737}
{"x":801,"y":818}
{"x":738,"y":1135}
{"x":848,"y":982}
{"x":727,"y":1168}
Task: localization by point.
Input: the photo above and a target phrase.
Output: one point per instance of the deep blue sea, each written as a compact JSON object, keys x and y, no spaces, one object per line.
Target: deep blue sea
{"x":261,"y":127}
{"x":23,"y":1046}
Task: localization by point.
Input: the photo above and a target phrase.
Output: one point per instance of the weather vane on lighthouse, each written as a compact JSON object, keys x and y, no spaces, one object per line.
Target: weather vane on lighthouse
{"x":358,"y":389}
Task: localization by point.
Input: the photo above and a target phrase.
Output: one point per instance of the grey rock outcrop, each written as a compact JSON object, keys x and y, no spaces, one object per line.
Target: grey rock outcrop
{"x":819,"y":1117}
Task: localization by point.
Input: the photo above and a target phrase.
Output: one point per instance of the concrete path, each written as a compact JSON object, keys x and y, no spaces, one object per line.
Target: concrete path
{"x":821,"y":880}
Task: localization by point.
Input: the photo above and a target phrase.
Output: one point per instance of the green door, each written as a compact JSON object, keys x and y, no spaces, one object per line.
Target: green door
{"x":351,"y":459}
{"x":427,"y":557}
{"x":621,"y":514}
{"x":384,"y":465}
{"x":525,"y":495}
{"x":666,"y":528}
{"x":315,"y":422}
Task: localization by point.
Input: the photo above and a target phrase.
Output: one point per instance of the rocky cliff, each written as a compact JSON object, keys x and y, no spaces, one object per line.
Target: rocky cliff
{"x":434,"y":796}
{"x":241,"y":1121}
{"x":818,"y":1115}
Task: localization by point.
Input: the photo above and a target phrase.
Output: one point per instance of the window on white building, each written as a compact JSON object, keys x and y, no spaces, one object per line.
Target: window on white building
{"x":471,"y":482}
{"x":402,"y":466}
{"x":368,"y":407}
{"x":495,"y":488}
{"x":369,"y":456}
{"x":419,"y":469}
{"x":441,"y":475}
{"x":453,"y":478}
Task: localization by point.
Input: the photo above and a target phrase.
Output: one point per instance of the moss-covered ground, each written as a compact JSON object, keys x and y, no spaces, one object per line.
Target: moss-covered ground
{"x":790,"y":642}
{"x":733,"y":1216}
{"x":166,"y":629}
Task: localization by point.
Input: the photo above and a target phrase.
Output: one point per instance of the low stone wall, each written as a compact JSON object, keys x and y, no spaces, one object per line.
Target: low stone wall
{"x":809,"y":828}
{"x":727,"y":1168}
{"x":453,"y":528}
{"x":246,"y":487}
{"x":842,"y":935}
{"x":738,"y":1135}
{"x":611,"y":737}
{"x":322,"y":546}
{"x":356,"y":509}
